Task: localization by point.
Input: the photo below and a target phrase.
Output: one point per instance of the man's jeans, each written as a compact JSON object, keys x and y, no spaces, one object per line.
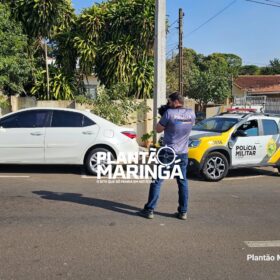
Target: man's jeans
{"x":182,"y":188}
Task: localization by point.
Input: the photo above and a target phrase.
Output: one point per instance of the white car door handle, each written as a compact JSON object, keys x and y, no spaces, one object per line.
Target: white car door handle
{"x":87,"y":132}
{"x":36,"y":133}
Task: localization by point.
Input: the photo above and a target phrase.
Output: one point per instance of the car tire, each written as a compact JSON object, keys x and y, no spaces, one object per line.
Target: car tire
{"x":90,"y":163}
{"x":215,"y":167}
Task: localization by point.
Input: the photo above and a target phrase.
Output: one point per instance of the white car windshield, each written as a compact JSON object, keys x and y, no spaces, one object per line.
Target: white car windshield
{"x":216,"y":124}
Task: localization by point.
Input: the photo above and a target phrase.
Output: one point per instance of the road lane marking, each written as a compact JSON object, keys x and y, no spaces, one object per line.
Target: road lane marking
{"x":93,"y":177}
{"x":244,"y":177}
{"x":87,"y":177}
{"x":263,"y":244}
{"x":225,"y":179}
{"x":13,"y":176}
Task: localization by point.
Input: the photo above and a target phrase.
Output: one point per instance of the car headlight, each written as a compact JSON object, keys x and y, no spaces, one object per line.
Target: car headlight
{"x":194,"y":143}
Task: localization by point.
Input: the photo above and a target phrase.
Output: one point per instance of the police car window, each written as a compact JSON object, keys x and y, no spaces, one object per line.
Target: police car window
{"x":250,"y":128}
{"x":210,"y":125}
{"x":216,"y":124}
{"x":270,"y":127}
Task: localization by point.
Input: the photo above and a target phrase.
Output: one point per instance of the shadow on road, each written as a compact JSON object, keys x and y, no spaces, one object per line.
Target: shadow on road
{"x":242,"y":172}
{"x":95,"y":202}
{"x":267,"y":171}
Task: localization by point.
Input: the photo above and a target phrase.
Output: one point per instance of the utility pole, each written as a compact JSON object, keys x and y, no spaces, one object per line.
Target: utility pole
{"x":181,"y":15}
{"x":160,"y":61}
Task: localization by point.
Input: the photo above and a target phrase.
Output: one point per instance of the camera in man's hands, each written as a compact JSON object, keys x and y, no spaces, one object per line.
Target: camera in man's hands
{"x":162,"y":109}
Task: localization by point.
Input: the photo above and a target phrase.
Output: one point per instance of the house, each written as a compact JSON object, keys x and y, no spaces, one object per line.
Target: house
{"x":256,"y":85}
{"x":91,"y":84}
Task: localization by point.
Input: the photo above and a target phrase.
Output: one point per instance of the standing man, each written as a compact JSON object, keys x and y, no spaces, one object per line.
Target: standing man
{"x":176,"y":123}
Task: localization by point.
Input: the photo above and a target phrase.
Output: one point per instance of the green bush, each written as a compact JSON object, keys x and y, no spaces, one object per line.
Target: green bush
{"x":4,"y":102}
{"x":114,"y":104}
{"x":62,"y":87}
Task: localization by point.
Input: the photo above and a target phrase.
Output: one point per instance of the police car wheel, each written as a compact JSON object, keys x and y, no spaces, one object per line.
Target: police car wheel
{"x":215,"y":167}
{"x":91,"y":163}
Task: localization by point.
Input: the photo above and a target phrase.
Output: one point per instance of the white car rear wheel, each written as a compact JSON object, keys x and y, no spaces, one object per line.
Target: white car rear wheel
{"x":91,"y":160}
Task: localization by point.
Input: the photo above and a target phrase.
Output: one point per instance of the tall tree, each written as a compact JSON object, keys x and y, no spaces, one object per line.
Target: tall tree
{"x":249,"y":70}
{"x":15,"y":68}
{"x":234,"y":62}
{"x":206,"y":78}
{"x":191,"y":62}
{"x":210,"y":84}
{"x":273,"y":68}
{"x":39,"y":19}
{"x":116,"y":42}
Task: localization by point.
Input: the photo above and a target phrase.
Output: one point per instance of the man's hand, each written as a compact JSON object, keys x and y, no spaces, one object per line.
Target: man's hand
{"x":159,"y":128}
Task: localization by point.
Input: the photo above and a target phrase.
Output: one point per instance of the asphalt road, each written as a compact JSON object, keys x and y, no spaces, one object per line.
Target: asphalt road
{"x":57,"y":224}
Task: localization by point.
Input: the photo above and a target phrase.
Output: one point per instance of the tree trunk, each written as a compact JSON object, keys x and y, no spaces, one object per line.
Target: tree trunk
{"x":47,"y":69}
{"x":200,"y":106}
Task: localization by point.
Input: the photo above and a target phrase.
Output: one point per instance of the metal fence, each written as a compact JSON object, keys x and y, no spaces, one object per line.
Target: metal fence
{"x":272,"y":106}
{"x":250,"y":100}
{"x":269,"y":105}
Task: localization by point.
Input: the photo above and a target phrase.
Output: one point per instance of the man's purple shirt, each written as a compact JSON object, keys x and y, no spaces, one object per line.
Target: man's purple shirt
{"x":178,"y":124}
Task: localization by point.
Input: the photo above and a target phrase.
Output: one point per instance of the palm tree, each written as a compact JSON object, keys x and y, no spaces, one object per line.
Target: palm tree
{"x":40,"y":20}
{"x":116,"y":41}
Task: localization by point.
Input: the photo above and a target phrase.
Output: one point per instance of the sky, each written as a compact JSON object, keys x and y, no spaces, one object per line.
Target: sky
{"x":247,"y":29}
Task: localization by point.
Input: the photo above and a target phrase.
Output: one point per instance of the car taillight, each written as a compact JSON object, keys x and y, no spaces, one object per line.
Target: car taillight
{"x":129,"y":134}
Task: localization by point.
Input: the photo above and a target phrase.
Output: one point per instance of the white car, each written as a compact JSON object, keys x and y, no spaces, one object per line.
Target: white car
{"x":61,"y":136}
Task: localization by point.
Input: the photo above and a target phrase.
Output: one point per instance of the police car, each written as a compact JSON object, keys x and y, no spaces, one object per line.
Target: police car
{"x":237,"y":138}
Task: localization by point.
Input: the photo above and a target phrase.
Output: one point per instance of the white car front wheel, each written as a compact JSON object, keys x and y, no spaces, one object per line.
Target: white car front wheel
{"x":215,"y":167}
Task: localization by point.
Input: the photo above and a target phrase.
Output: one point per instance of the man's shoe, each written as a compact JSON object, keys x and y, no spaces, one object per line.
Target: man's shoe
{"x":181,"y":216}
{"x":146,"y":214}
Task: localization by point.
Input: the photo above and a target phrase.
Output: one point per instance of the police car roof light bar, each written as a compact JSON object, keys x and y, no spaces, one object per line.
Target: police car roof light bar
{"x":243,"y":115}
{"x":249,"y":110}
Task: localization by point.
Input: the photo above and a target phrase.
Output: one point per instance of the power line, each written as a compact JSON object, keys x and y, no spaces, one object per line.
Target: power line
{"x":171,"y":51}
{"x":172,"y":30}
{"x":211,"y":18}
{"x":176,"y":21}
{"x":170,"y":36}
{"x":172,"y":45}
{"x":267,"y":4}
